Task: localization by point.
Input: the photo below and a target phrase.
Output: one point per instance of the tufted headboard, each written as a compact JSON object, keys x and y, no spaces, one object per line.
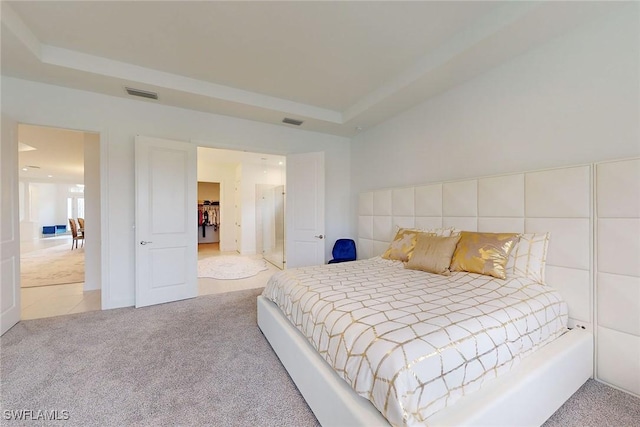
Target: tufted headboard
{"x":558,"y":201}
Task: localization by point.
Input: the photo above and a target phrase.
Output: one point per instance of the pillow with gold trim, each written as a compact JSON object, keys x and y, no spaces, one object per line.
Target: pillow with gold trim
{"x":402,"y":245}
{"x":483,"y":253}
{"x":529,"y":256}
{"x":433,"y":254}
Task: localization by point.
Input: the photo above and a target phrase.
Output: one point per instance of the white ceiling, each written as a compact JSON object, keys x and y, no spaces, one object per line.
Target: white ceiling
{"x":338,"y":66}
{"x":57,"y":154}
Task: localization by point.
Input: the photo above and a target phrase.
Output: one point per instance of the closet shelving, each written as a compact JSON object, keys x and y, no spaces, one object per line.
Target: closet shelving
{"x":208,"y":221}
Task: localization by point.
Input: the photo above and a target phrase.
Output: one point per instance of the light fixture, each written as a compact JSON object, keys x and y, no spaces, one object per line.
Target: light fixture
{"x":25,"y":147}
{"x":280,"y":163}
{"x":49,"y":176}
{"x":25,"y":169}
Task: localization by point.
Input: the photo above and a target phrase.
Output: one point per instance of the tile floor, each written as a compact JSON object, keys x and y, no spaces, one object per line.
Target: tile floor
{"x":208,"y":286}
{"x":56,"y":300}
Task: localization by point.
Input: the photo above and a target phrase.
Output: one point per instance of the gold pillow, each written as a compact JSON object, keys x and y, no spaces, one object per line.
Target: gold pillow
{"x":433,"y":254}
{"x":483,"y":253}
{"x":402,"y":245}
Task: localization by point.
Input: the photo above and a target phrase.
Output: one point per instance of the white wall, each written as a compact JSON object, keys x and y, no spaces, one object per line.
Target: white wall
{"x":45,"y":203}
{"x":574,"y":100}
{"x":92,"y":215}
{"x":571,"y":101}
{"x":252,"y":175}
{"x":119,"y":120}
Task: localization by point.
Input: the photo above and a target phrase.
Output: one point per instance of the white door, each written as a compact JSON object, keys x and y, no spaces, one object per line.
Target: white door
{"x":305,"y":210}
{"x":10,"y":232}
{"x":166,"y":221}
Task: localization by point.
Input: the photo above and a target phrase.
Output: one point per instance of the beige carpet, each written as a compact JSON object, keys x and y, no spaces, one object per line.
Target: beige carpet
{"x":56,"y":265}
{"x":197,"y":362}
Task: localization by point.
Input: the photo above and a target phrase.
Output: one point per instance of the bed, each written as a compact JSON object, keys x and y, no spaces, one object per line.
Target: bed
{"x":471,"y":312}
{"x":524,"y":387}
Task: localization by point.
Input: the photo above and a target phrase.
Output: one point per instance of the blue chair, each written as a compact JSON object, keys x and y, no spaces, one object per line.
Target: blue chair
{"x":343,"y":250}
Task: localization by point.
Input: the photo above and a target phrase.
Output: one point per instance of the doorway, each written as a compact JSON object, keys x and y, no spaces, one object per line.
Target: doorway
{"x":59,"y":182}
{"x":270,"y":220}
{"x":234,"y":259}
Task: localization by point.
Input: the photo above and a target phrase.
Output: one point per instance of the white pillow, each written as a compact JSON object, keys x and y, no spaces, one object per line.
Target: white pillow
{"x":528,"y":257}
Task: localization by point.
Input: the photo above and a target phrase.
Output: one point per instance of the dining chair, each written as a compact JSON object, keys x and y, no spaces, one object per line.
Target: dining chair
{"x":81,"y":226}
{"x":74,"y":233}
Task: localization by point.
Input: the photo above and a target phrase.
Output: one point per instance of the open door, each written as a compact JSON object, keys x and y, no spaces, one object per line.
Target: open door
{"x":166,"y":221}
{"x":10,"y":231}
{"x":305,"y":210}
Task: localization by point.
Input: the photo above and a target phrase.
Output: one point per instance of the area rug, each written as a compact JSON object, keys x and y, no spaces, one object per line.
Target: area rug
{"x":56,"y":265}
{"x":229,"y":267}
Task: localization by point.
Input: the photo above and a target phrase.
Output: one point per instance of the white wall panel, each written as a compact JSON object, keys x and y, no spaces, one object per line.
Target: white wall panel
{"x":618,"y":298}
{"x":382,"y":202}
{"x":501,"y":196}
{"x":365,"y":248}
{"x":501,"y":225}
{"x":428,"y":223}
{"x":403,"y":202}
{"x":569,"y":240}
{"x":558,"y":193}
{"x":365,"y":227}
{"x":575,"y":287}
{"x":379,"y":247}
{"x":428,"y":199}
{"x":619,"y":246}
{"x":365,"y":203}
{"x":404,"y":222}
{"x":616,"y":197}
{"x":460,"y":198}
{"x":461,"y":223}
{"x":618,"y":357}
{"x":502,"y":204}
{"x":383,"y":228}
{"x":617,"y":201}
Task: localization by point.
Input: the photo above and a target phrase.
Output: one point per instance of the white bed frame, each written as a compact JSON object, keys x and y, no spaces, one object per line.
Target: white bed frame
{"x":525,"y":396}
{"x":559,"y":201}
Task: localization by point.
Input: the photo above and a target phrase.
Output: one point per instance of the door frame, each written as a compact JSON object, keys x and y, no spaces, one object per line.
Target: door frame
{"x":104,"y":204}
{"x":208,"y":144}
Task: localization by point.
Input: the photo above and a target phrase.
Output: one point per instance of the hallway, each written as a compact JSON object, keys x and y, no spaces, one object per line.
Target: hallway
{"x":55,"y":300}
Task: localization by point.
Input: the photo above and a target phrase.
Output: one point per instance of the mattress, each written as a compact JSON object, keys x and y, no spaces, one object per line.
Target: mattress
{"x":412,"y":342}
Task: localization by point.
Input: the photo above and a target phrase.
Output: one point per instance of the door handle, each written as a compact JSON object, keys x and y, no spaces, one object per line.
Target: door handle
{"x":319,"y":236}
{"x":142,"y":242}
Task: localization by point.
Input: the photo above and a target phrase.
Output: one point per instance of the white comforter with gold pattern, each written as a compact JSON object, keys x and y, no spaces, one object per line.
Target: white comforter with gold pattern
{"x":413,"y":342}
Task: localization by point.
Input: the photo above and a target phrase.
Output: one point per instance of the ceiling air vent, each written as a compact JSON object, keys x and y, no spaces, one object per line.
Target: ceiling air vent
{"x":294,"y":122}
{"x":141,"y":93}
